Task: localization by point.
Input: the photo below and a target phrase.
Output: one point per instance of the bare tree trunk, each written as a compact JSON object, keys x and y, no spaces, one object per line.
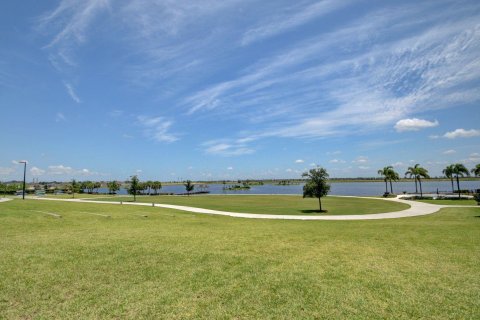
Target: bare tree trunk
{"x":391,"y":188}
{"x":320,"y":203}
{"x":421,"y":191}
{"x":458,"y":187}
{"x":416,"y":188}
{"x":453,"y":188}
{"x":386,"y":186}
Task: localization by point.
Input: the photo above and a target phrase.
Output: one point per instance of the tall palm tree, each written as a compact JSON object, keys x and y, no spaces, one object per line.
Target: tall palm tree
{"x":417,"y":172}
{"x":459,"y":170}
{"x":411,"y":173}
{"x":385,"y":172}
{"x":393,"y":176}
{"x":448,"y":172}
{"x":476,"y":170}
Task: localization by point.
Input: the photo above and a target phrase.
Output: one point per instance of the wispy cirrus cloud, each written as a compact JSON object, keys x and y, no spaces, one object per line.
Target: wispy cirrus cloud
{"x":225,"y":147}
{"x":394,"y":76}
{"x":71,"y":92}
{"x":157,"y":128}
{"x":290,"y":19}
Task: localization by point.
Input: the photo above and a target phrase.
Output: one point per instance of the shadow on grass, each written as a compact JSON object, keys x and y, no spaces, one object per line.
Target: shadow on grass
{"x":314,"y":211}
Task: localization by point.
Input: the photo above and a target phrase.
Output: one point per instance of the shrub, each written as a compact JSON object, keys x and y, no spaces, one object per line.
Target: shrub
{"x":476,"y":196}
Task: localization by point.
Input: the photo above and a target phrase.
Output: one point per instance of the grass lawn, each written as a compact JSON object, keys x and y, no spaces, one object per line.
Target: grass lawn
{"x":463,"y":202}
{"x":294,"y":205}
{"x":177,"y":265}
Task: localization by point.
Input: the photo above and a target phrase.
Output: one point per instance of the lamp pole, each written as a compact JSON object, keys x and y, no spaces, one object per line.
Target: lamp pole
{"x":24,"y":176}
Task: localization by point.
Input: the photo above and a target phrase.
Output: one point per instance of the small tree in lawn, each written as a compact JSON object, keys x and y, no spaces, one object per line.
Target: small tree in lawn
{"x":189,"y":186}
{"x":134,"y":187}
{"x":75,"y":187}
{"x":316,"y":185}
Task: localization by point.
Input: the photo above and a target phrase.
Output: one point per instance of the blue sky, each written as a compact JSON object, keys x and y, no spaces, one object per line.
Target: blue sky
{"x":103,"y":89}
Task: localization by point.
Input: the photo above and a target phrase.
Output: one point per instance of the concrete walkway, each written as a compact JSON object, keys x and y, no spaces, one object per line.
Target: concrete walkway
{"x":5,"y":199}
{"x":416,"y":209}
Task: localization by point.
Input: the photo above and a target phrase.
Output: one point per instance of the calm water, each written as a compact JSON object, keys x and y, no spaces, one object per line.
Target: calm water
{"x":346,"y":188}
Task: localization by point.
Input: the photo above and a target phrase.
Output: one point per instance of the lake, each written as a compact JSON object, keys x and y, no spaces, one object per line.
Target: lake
{"x":338,"y":188}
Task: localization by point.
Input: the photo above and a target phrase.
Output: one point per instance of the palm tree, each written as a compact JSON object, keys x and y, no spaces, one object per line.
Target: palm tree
{"x":385,"y":172}
{"x":476,"y":170}
{"x":448,"y":172}
{"x":189,"y":187}
{"x":393,"y":176}
{"x":417,"y":172}
{"x":459,"y":170}
{"x":411,"y":173}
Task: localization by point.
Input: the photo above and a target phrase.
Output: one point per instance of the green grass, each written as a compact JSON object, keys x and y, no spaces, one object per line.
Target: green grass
{"x":268,"y":204}
{"x":77,"y":196}
{"x":176,"y":265}
{"x":463,"y":202}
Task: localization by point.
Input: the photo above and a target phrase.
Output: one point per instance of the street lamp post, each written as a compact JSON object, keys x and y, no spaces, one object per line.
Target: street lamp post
{"x":24,"y":176}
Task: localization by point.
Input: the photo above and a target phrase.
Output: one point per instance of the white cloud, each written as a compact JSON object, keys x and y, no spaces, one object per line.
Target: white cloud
{"x":360,"y":159}
{"x":284,"y":22}
{"x":414,"y":124}
{"x":5,"y":171}
{"x":313,"y":164}
{"x":60,"y":170}
{"x":299,"y":161}
{"x":226,"y":147}
{"x":363,"y":167}
{"x":71,"y":92}
{"x":398,"y":164}
{"x":462,"y":133}
{"x":229,"y":168}
{"x":451,"y":151}
{"x":337,"y":161}
{"x":59,"y":117}
{"x":288,"y":170}
{"x":35,"y":171}
{"x":157,"y":128}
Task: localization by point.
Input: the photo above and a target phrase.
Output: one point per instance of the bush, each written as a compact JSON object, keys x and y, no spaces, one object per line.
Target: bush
{"x":476,"y":196}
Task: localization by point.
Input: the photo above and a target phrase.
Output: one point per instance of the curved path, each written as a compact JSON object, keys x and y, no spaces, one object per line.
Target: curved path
{"x":416,"y":209}
{"x":5,"y":199}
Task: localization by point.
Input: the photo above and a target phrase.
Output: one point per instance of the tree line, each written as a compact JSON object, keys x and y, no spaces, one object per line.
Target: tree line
{"x":417,"y":172}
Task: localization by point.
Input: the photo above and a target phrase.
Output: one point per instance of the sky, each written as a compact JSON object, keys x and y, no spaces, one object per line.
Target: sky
{"x":205,"y":90}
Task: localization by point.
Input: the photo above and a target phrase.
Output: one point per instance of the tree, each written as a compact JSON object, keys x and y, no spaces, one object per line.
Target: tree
{"x":389,"y":175}
{"x":411,"y":173}
{"x":417,"y":172}
{"x":476,"y":170}
{"x":316,"y":185}
{"x":75,"y":187}
{"x":384,"y":172}
{"x":97,"y":185}
{"x":448,"y":172}
{"x":156,"y":185}
{"x":134,"y":187}
{"x":459,"y":170}
{"x":189,"y":186}
{"x":113,"y":186}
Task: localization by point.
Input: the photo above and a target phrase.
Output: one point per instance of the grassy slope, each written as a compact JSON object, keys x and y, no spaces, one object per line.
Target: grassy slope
{"x":275,"y":204}
{"x":179,"y":265}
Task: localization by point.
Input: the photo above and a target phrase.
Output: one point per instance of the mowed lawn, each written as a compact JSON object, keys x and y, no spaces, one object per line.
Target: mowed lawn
{"x":274,"y":204}
{"x":178,"y":265}
{"x":450,"y":202}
